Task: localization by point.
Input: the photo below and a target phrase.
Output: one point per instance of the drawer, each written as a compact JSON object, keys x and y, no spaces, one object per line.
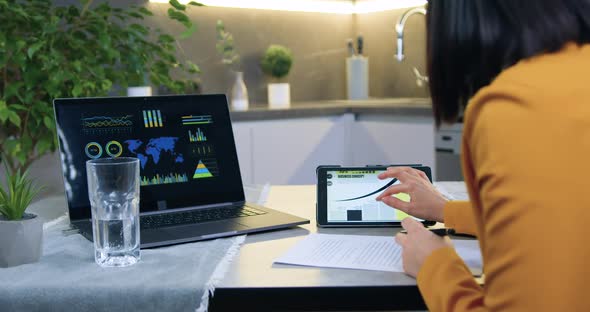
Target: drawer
{"x":448,"y":141}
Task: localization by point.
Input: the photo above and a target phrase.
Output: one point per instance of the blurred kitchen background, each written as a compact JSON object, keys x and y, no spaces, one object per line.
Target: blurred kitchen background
{"x":321,"y":125}
{"x":318,"y":43}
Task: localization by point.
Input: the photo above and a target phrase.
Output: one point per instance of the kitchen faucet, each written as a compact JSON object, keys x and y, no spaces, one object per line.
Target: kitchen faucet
{"x":399,"y":28}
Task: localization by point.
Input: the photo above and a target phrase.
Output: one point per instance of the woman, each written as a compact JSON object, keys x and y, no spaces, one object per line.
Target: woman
{"x":524,"y":65}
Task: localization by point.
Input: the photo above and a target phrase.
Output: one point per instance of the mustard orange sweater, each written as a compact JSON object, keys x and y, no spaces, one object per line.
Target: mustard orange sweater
{"x":526,"y":162}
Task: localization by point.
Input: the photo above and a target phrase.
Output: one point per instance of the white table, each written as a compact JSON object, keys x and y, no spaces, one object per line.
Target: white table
{"x":254,"y":283}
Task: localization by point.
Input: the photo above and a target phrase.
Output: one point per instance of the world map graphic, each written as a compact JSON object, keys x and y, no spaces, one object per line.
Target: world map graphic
{"x":154,"y":148}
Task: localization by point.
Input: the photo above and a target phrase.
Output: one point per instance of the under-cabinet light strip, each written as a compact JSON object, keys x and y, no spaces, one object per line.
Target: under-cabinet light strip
{"x":370,"y":6}
{"x":318,"y":6}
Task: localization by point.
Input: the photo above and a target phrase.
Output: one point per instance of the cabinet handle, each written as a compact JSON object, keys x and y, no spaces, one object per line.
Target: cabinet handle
{"x":446,"y":138}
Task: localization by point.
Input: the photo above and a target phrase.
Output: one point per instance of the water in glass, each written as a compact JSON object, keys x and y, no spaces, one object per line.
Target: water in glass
{"x":116,"y":234}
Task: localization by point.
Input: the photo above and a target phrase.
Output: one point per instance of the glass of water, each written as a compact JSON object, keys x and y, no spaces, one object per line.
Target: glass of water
{"x":113,"y":189}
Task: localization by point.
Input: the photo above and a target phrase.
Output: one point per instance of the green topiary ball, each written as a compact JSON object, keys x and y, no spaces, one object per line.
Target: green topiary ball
{"x":277,"y":61}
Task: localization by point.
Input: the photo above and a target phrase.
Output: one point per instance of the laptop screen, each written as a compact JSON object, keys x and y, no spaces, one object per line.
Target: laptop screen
{"x":185,"y":146}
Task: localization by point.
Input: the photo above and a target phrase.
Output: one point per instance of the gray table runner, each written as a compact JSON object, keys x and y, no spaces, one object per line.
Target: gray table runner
{"x":176,"y":278}
{"x":67,"y":279}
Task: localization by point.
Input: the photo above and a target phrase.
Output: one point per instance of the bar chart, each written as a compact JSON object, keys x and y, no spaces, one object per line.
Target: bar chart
{"x":152,"y":119}
{"x":164,"y":179}
{"x":197,"y":136}
{"x":196,"y":120}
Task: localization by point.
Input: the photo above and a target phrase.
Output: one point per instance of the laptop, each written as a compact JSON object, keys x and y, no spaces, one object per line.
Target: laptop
{"x":191,"y":187}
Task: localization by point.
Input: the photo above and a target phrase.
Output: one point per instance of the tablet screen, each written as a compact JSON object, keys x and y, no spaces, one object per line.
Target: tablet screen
{"x":351,"y":197}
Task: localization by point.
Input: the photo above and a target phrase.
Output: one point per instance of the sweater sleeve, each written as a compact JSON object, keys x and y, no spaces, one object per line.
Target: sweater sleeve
{"x":458,"y":215}
{"x":447,"y":284}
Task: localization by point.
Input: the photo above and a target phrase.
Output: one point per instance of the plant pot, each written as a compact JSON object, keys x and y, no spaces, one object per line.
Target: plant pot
{"x":139,"y":91}
{"x":20,"y":241}
{"x":279,"y":95}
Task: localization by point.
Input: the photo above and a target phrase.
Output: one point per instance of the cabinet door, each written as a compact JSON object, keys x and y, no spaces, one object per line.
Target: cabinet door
{"x":383,"y":140}
{"x":288,"y":151}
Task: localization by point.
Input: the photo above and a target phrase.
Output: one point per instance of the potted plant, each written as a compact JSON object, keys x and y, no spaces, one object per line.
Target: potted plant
{"x":21,"y":234}
{"x":276,"y":63}
{"x":230,"y":57}
{"x":84,"y":50}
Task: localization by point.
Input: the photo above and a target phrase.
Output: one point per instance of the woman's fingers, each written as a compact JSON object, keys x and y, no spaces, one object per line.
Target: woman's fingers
{"x":385,"y":175}
{"x":423,"y":175}
{"x":412,"y":226}
{"x":394,"y":189}
{"x":402,"y":173}
{"x":398,"y":204}
{"x":401,"y":239}
{"x":394,"y":172}
{"x":426,"y":202}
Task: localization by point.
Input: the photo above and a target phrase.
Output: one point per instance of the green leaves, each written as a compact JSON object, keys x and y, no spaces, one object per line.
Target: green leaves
{"x":188,"y":32}
{"x":18,"y":194}
{"x":34,"y":48}
{"x":8,"y":113}
{"x":48,"y":122}
{"x":49,"y":51}
{"x":165,"y":38}
{"x":177,"y":5}
{"x":193,"y":68}
{"x":140,"y":29}
{"x":225,"y":46}
{"x":14,"y":118}
{"x":145,"y":11}
{"x":179,"y":16}
{"x":3,"y":112}
{"x":277,"y":61}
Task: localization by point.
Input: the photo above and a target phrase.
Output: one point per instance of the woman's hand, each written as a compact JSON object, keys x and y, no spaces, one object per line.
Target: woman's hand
{"x":425,"y":201}
{"x":418,"y":244}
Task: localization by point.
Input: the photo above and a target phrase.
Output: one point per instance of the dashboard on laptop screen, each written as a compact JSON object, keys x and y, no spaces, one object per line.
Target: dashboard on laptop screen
{"x":184,"y":144}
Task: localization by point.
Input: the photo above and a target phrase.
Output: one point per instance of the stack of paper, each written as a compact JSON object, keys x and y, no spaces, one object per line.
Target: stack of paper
{"x":452,"y":190}
{"x":378,"y":253}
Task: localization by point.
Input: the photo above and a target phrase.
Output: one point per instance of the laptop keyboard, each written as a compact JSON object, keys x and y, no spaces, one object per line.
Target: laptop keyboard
{"x":196,"y":216}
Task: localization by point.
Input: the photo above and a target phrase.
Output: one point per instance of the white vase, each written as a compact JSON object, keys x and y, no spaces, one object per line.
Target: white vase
{"x":239,"y":93}
{"x":279,"y":95}
{"x":139,"y":91}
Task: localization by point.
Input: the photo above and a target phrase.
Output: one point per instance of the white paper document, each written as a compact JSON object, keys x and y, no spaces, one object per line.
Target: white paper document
{"x":377,"y":253}
{"x":452,"y":190}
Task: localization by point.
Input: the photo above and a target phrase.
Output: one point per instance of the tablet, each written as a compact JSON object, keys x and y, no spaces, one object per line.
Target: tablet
{"x":346,"y":197}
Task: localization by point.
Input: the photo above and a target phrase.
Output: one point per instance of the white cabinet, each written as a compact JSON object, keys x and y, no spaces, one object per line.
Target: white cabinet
{"x":287,"y":151}
{"x":383,"y":140}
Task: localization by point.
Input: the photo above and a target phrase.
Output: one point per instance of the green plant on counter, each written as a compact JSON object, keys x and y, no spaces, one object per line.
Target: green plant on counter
{"x":225,"y":46}
{"x":82,"y":50}
{"x":17,"y":196}
{"x":277,"y":61}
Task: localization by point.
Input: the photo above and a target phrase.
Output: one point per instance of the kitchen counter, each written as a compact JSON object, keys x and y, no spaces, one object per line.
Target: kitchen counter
{"x":410,"y":107}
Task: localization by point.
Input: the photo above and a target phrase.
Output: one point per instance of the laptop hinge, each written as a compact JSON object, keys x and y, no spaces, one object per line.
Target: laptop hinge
{"x":221,"y":205}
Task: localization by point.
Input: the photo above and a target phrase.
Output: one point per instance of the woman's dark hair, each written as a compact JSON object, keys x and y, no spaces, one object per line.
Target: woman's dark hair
{"x":471,"y":41}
